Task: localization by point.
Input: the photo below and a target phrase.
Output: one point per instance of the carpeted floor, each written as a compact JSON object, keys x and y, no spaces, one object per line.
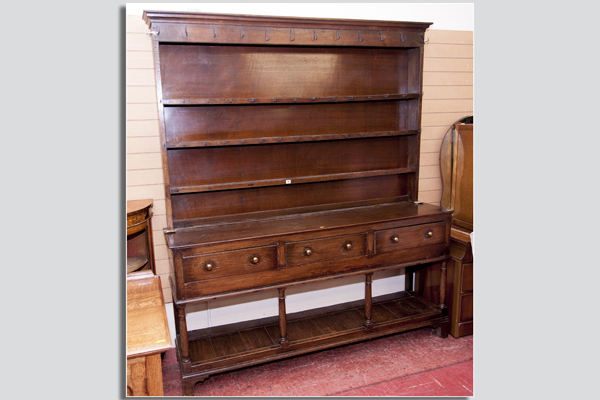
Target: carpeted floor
{"x":415,"y":363}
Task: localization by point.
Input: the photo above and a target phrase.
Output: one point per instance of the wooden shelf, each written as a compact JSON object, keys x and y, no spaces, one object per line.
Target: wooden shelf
{"x":136,"y":262}
{"x":288,"y":139}
{"x":292,"y":181}
{"x":194,"y":222}
{"x":214,"y":349}
{"x":291,"y":100}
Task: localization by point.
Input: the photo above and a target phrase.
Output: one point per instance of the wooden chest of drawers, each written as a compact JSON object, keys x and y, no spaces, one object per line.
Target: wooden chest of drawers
{"x":291,"y":155}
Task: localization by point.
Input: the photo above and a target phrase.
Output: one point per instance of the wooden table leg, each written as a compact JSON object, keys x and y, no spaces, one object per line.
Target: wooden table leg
{"x":443,"y":282}
{"x":368,"y":301}
{"x":442,"y":330}
{"x":154,"y":375}
{"x":283,"y":342}
{"x":184,"y":348}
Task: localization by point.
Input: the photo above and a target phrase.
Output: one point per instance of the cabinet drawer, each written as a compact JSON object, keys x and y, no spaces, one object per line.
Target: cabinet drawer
{"x":229,"y":263}
{"x":326,"y":249}
{"x":410,"y":236}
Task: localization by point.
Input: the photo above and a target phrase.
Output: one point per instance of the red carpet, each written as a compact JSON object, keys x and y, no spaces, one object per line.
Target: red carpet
{"x":416,"y":363}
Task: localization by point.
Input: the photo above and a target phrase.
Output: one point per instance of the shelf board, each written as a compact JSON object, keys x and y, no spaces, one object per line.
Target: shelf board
{"x":219,"y":347}
{"x":287,"y":139}
{"x":290,"y":100}
{"x":292,"y":180}
{"x":136,"y":262}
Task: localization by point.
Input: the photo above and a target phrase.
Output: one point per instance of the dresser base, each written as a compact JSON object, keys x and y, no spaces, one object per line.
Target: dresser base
{"x":224,"y":348}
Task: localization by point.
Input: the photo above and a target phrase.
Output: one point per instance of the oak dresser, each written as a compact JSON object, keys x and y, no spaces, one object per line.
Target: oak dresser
{"x":290,"y":149}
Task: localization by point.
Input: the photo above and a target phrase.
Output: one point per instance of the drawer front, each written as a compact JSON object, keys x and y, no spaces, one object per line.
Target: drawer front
{"x":326,"y":249}
{"x":229,"y":263}
{"x":410,"y":236}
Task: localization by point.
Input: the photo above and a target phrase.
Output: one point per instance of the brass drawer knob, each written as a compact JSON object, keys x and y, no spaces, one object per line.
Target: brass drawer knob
{"x":348,"y":245}
{"x":395,"y":239}
{"x":428,"y":233}
{"x":254,"y":260}
{"x":208,"y":266}
{"x":307,"y":251}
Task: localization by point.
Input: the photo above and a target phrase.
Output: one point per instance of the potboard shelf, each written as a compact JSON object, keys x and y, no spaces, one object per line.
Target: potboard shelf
{"x":218,"y":347}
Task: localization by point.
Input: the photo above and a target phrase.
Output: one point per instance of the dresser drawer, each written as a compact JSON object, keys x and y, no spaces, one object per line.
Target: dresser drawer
{"x":410,"y":236}
{"x":326,"y":249}
{"x":229,"y":263}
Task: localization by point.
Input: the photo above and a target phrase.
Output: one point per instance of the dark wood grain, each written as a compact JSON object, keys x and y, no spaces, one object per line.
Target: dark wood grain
{"x":384,"y":216}
{"x":291,"y":155}
{"x":351,"y":319}
{"x":310,"y":272}
{"x":229,"y":263}
{"x":328,"y":322}
{"x":201,"y":350}
{"x":256,"y":338}
{"x":198,"y":71}
{"x":463,"y":194}
{"x":456,"y":164}
{"x":334,"y":248}
{"x":283,"y":324}
{"x":401,"y":238}
{"x":295,"y":34}
{"x":297,"y":162}
{"x":368,"y":301}
{"x":229,"y":344}
{"x":248,"y":122}
{"x":273,"y":198}
{"x":402,"y":309}
{"x":460,"y":289}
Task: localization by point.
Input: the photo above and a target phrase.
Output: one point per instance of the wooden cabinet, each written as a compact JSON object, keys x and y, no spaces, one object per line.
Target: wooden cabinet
{"x":291,"y":155}
{"x":456,"y":162}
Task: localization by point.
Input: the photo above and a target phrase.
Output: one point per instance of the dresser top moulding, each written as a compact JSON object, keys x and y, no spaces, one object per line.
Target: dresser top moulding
{"x":248,"y":29}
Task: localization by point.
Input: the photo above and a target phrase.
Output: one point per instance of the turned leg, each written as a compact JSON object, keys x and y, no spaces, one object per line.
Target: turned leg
{"x":184,"y":348}
{"x":368,"y":301}
{"x":283,"y":342}
{"x":443,"y":329}
{"x":443,"y":281}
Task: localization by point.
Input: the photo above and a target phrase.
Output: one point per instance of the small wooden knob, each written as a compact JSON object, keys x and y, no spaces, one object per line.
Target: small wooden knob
{"x":208,"y":266}
{"x":308,"y":251}
{"x":254,"y":260}
{"x":348,"y":246}
{"x":395,"y":239}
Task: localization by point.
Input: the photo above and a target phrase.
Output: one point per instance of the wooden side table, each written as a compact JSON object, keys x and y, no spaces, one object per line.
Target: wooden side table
{"x":147,"y":334}
{"x":140,"y":248}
